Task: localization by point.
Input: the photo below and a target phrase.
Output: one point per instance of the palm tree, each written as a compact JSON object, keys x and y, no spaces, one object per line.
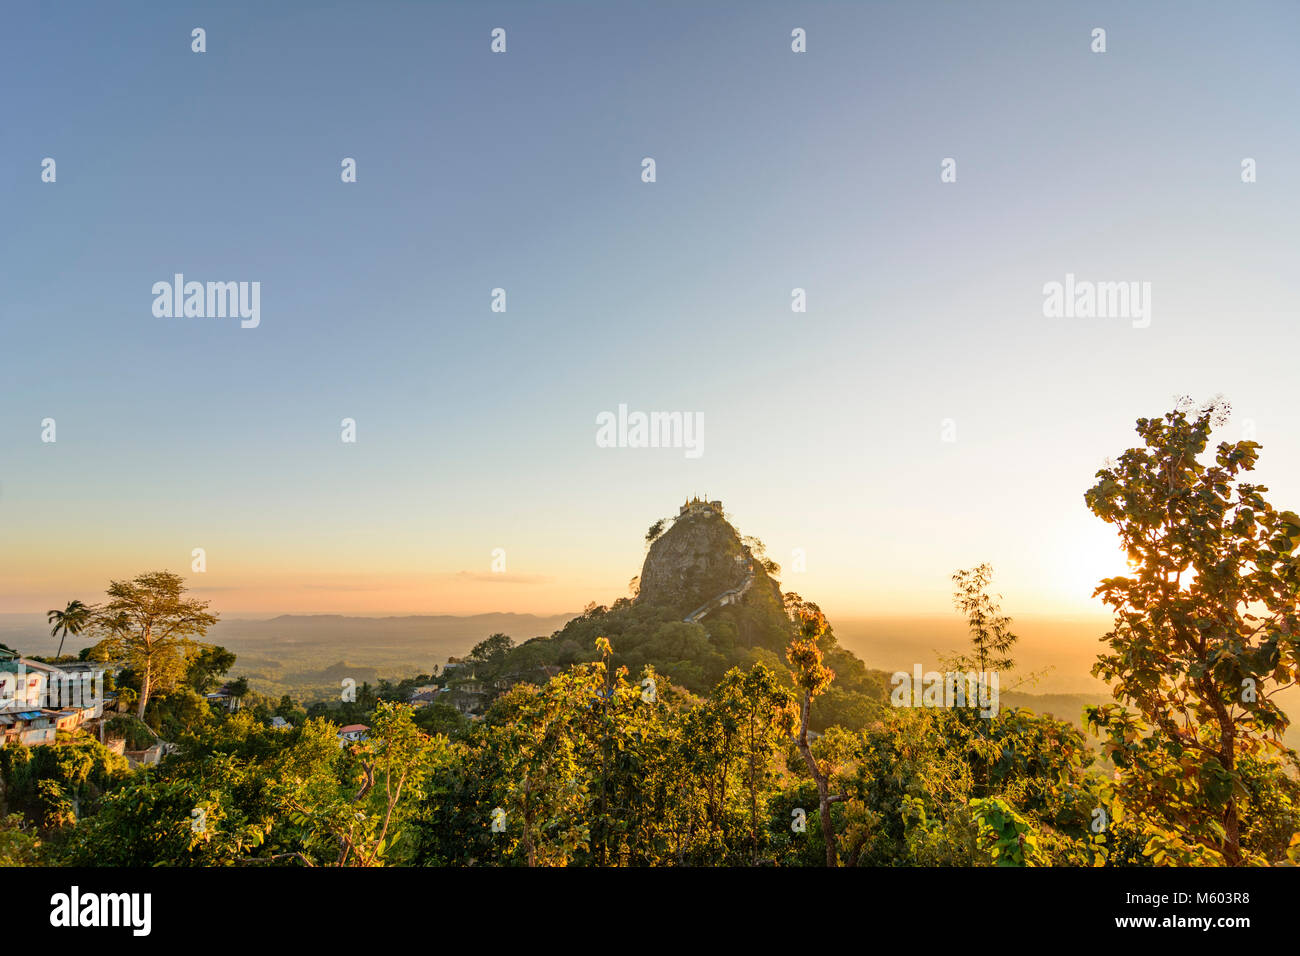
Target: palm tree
{"x":70,"y":620}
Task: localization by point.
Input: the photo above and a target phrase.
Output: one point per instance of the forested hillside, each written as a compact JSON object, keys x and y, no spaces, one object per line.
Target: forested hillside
{"x":712,"y":720}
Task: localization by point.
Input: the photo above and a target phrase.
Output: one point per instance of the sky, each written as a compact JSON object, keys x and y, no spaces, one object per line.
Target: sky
{"x":823,"y":430}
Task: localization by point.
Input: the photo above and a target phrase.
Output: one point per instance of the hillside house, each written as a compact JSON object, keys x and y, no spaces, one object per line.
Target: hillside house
{"x":37,"y":700}
{"x":22,"y":682}
{"x":31,"y":728}
{"x":352,"y":733}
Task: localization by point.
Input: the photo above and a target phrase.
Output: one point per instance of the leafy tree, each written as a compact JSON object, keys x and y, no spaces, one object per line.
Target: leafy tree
{"x":238,"y":689}
{"x":176,"y":712}
{"x":150,"y":623}
{"x":440,"y":717}
{"x":206,"y":814}
{"x":55,"y":784}
{"x":19,"y":844}
{"x":490,"y":655}
{"x":241,"y":792}
{"x":765,"y":715}
{"x":207,"y":666}
{"x":289,"y":710}
{"x":537,"y":798}
{"x":1206,"y":630}
{"x":361,"y":827}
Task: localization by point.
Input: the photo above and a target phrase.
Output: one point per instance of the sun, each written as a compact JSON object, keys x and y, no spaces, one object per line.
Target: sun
{"x":1091,"y":554}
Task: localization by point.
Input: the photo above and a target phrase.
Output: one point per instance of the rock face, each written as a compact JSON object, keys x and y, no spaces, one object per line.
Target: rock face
{"x":697,"y":558}
{"x":701,"y":564}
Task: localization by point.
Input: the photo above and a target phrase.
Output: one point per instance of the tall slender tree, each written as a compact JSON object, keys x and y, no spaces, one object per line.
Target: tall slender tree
{"x":71,"y":620}
{"x":990,"y":630}
{"x":812,"y":678}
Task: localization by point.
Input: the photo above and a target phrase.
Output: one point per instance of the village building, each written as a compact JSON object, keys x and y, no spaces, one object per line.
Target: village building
{"x":37,"y":700}
{"x":28,"y":727}
{"x":352,"y":733}
{"x":224,"y":698}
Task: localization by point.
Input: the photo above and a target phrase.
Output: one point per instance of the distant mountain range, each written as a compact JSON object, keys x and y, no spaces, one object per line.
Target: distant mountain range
{"x":324,"y":638}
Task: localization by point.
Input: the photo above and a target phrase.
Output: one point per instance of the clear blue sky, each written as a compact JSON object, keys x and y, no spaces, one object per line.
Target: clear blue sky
{"x":775,"y":170}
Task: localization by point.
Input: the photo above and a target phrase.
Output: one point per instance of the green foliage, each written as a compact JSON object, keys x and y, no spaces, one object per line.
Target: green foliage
{"x":266,"y":796}
{"x":747,"y":736}
{"x":1207,"y":629}
{"x":590,"y":769}
{"x":53,"y":785}
{"x":206,"y":666}
{"x":19,"y":843}
{"x":132,"y":731}
{"x":1004,"y":834}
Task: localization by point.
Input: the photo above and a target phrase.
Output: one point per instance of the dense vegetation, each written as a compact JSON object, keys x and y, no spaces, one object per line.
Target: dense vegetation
{"x":633,"y":738}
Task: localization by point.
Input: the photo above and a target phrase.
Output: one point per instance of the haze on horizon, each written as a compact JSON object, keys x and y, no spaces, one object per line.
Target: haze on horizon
{"x":823,"y":431}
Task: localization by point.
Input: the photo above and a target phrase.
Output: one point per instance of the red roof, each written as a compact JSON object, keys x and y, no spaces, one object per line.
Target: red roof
{"x":352,"y":728}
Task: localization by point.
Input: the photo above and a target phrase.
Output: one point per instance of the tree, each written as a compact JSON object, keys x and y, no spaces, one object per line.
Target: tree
{"x":360,"y":821}
{"x":990,"y":629}
{"x":45,"y":783}
{"x":19,"y":844}
{"x":760,"y":714}
{"x":71,"y":620}
{"x":492,"y":650}
{"x":206,"y":668}
{"x":538,"y":794}
{"x":1206,"y":629}
{"x":149,"y":621}
{"x":812,"y":677}
{"x":440,"y":717}
{"x":238,"y":690}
